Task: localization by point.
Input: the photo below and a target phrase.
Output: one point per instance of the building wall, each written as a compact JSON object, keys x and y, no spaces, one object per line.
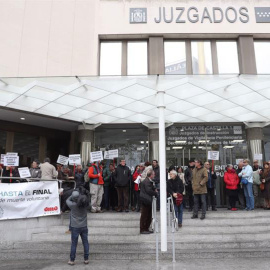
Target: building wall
{"x":61,"y":37}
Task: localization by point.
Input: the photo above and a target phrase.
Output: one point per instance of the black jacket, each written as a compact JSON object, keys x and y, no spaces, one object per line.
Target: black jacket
{"x":211,"y":183}
{"x":147,"y":191}
{"x":157,"y":174}
{"x":188,"y":176}
{"x":79,"y":177}
{"x":122,"y":176}
{"x":175,"y":186}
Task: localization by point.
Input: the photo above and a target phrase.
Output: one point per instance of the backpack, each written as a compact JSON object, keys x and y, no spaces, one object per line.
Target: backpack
{"x":86,"y":177}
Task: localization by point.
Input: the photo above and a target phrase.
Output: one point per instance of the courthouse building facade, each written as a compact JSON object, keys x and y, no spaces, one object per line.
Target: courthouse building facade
{"x":85,"y":75}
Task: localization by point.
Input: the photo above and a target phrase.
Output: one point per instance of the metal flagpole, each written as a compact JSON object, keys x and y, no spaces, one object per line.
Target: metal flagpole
{"x":162,"y":164}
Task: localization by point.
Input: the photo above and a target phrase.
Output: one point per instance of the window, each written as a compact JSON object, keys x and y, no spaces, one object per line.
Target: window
{"x":262,"y":53}
{"x":110,"y":58}
{"x":227,"y":57}
{"x":201,"y":57}
{"x":175,"y":57}
{"x":27,"y":147}
{"x":137,"y":58}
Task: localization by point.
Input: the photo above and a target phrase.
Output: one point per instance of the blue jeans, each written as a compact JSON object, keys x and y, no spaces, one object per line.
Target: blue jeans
{"x":75,"y":233}
{"x":179,"y":212}
{"x":248,"y":190}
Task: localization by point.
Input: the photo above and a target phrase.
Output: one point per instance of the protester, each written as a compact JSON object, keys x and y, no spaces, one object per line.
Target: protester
{"x":137,"y":174}
{"x":35,"y":170}
{"x":96,"y":186}
{"x":48,"y":171}
{"x":175,"y":188}
{"x":188,"y":177}
{"x":257,"y":172}
{"x":156,"y":169}
{"x":107,"y":172}
{"x":240,"y":188}
{"x":147,"y":167}
{"x":1,"y":171}
{"x":211,"y":187}
{"x":266,"y":185}
{"x":113,"y":192}
{"x":78,"y":204}
{"x":231,"y":180}
{"x":146,"y":195}
{"x":79,"y":176}
{"x":247,"y":181}
{"x":199,"y":180}
{"x":123,"y":178}
{"x":10,"y":171}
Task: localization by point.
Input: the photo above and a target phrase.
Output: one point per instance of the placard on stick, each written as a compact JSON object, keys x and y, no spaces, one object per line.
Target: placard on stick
{"x":11,"y":160}
{"x":213,"y":155}
{"x":62,"y":160}
{"x":74,"y":159}
{"x":96,"y":156}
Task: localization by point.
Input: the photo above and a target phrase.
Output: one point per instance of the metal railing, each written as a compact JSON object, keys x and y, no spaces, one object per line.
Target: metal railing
{"x":172,"y":223}
{"x":155,"y":224}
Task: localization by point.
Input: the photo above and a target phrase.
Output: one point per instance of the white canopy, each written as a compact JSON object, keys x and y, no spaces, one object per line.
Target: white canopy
{"x":130,"y":99}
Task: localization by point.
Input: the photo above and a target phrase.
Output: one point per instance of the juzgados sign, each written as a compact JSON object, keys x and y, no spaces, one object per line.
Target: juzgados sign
{"x":194,"y":15}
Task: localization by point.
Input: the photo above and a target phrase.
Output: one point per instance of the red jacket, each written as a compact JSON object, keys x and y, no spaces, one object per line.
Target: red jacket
{"x":231,"y":179}
{"x":134,"y":177}
{"x":93,"y":176}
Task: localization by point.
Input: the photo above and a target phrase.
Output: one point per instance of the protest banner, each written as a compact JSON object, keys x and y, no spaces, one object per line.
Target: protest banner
{"x":33,"y":199}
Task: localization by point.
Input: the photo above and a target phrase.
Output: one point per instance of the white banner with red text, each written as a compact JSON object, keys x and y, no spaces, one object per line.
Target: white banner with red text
{"x":27,"y":200}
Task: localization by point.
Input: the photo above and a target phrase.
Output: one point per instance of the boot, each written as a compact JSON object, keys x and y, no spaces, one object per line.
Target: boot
{"x":194,"y":216}
{"x":202,"y":217}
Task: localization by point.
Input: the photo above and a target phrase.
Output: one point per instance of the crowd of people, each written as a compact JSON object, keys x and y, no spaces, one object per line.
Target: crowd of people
{"x":104,"y":187}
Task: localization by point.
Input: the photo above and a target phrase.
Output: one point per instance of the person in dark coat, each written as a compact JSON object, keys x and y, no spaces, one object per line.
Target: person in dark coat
{"x":79,"y":176}
{"x":188,"y":180}
{"x":10,"y":172}
{"x":211,"y":187}
{"x":266,"y":180}
{"x":175,"y":187}
{"x":146,"y":195}
{"x":122,"y":179}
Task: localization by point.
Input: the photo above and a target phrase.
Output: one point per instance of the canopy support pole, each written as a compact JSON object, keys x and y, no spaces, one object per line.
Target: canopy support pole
{"x":162,"y":165}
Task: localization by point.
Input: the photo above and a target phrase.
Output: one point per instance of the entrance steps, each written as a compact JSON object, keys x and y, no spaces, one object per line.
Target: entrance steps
{"x":223,"y":234}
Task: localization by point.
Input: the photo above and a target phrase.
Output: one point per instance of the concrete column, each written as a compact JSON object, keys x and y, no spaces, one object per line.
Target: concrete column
{"x":42,"y":151}
{"x":214,"y":57}
{"x":156,"y":61}
{"x":86,"y":140}
{"x":188,"y":58}
{"x":9,"y":141}
{"x":246,"y":55}
{"x":124,"y":59}
{"x":255,"y":140}
{"x":153,"y":142}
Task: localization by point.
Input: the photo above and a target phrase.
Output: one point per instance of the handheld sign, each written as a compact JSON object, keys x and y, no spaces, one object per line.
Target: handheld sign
{"x":258,"y":157}
{"x":113,"y":153}
{"x":74,"y":159}
{"x":24,"y":172}
{"x":213,"y":155}
{"x":11,"y":160}
{"x":96,"y":156}
{"x":106,"y":155}
{"x":12,"y":154}
{"x":2,"y":158}
{"x":62,"y":160}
